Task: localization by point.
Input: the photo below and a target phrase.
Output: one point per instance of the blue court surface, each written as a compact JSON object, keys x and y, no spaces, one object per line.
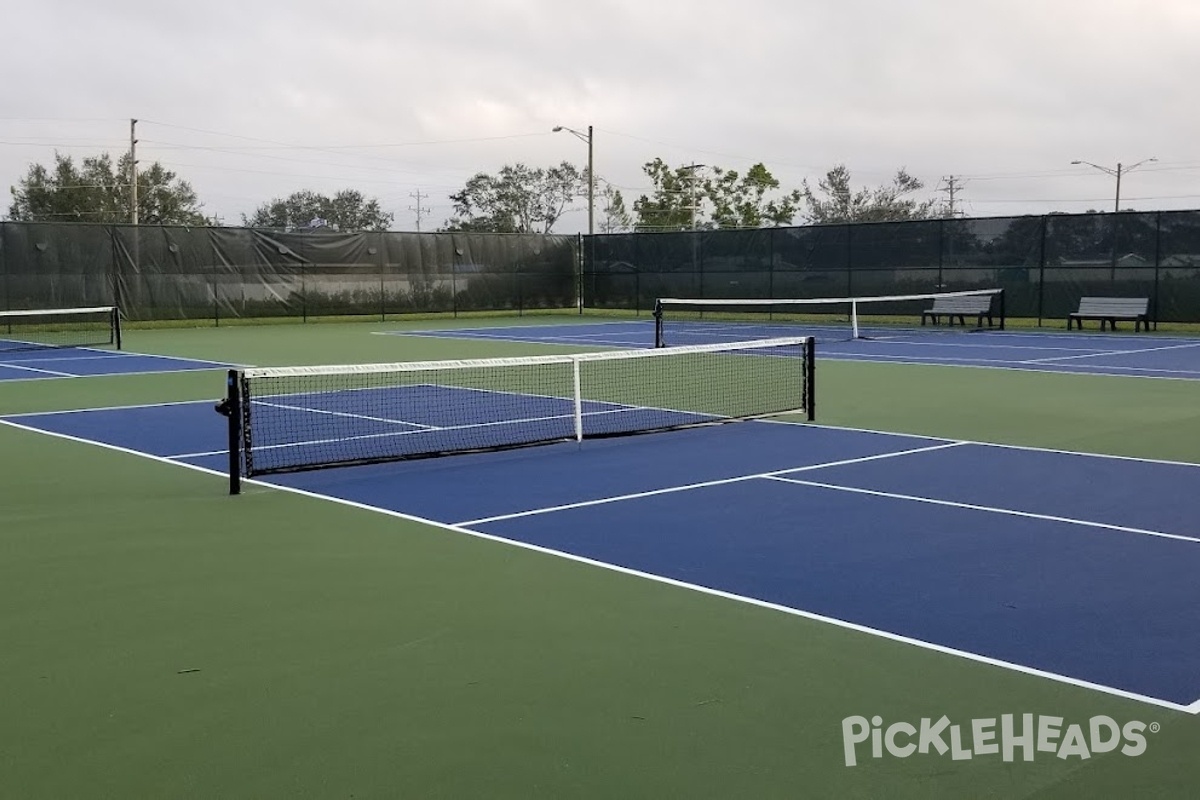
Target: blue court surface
{"x":1073,"y":567}
{"x":1092,"y":353}
{"x":81,"y":362}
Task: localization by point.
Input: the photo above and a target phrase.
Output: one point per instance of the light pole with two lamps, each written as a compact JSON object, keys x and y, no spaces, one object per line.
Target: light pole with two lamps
{"x":586,"y":137}
{"x":1117,"y":173}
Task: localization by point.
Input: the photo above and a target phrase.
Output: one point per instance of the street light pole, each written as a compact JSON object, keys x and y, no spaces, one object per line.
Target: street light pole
{"x":586,"y":137}
{"x":1116,"y":173}
{"x":1117,"y":201}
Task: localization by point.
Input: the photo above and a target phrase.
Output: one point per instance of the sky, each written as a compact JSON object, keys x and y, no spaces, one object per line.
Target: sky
{"x":404,"y":101}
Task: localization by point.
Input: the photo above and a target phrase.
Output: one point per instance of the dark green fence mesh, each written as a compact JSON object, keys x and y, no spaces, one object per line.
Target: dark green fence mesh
{"x":1045,"y":264}
{"x":219,"y":273}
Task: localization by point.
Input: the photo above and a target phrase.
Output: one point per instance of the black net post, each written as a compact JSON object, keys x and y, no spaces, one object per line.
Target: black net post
{"x":116,"y":327}
{"x":1002,"y":314}
{"x":658,"y":324}
{"x":231,"y":408}
{"x":810,"y":378}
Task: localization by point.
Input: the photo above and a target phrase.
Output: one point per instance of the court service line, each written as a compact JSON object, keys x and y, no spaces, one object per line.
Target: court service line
{"x":130,"y":407}
{"x":422,"y":429}
{"x":1001,"y":445}
{"x":37,"y":359}
{"x":1112,"y":353}
{"x":990,"y":509}
{"x":139,"y":354}
{"x":105,"y":375}
{"x":1192,"y":708}
{"x":346,"y":414}
{"x":955,"y":361}
{"x":705,"y":484}
{"x":555,"y":341}
{"x":53,"y":373}
{"x":548,"y":325}
{"x":1049,"y":369}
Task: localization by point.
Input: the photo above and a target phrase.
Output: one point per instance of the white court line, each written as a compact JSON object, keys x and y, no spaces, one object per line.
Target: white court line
{"x":103,"y":375}
{"x":1113,"y":353}
{"x":426,"y":429}
{"x":910,"y":342}
{"x":703,"y":485}
{"x":38,"y":370}
{"x":129,"y":353}
{"x":1030,"y":448}
{"x":439,"y":331}
{"x":347,"y":414}
{"x":773,"y":420}
{"x":429,"y":428}
{"x":136,"y":353}
{"x":1192,"y":708}
{"x":65,"y":358}
{"x":1065,"y":369}
{"x":990,"y":509}
{"x":130,"y":407}
{"x":556,"y":341}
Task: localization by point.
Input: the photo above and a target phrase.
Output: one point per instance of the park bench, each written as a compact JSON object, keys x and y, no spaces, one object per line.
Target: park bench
{"x":1110,"y":309}
{"x":978,"y":306}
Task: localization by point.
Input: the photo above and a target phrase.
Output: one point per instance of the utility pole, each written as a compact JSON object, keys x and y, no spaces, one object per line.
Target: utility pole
{"x":133,"y":187}
{"x":953,"y":187}
{"x":420,"y":211}
{"x":692,"y":181}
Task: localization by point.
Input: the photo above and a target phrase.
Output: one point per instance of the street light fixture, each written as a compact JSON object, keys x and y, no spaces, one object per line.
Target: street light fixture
{"x":1117,"y":173}
{"x":586,"y":137}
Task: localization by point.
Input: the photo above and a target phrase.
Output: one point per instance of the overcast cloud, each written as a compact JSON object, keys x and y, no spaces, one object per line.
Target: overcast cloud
{"x":256,"y":99}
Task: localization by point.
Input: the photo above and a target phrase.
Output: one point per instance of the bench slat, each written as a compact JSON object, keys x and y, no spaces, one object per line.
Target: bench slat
{"x":960,"y":307}
{"x":968,"y":305}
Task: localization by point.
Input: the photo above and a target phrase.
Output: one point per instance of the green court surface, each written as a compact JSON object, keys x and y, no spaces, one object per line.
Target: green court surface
{"x":161,"y":639}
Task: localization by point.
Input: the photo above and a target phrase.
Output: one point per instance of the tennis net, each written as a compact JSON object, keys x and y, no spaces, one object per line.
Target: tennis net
{"x":61,"y":327}
{"x":681,"y":321}
{"x":296,"y":418}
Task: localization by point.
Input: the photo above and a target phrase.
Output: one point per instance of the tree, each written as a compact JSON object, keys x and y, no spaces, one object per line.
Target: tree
{"x":517,"y":200}
{"x":840,"y":203}
{"x":670,"y":207}
{"x":741,"y":201}
{"x":616,"y":217}
{"x":95,"y":191}
{"x":347,"y":210}
{"x":680,"y":198}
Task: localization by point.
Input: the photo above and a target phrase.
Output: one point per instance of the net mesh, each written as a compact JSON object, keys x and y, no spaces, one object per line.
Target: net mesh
{"x":64,"y":327}
{"x":701,"y":321}
{"x":308,"y":417}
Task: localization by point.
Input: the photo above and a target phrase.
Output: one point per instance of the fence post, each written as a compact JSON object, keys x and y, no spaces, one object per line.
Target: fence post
{"x":849,"y":260}
{"x":941,"y":280}
{"x":1042,"y":270}
{"x":4,"y":269}
{"x":771,"y":234}
{"x":580,"y":267}
{"x":1154,"y":308}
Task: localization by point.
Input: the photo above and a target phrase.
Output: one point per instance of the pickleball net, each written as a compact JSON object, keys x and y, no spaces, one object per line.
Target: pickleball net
{"x":284,"y":419}
{"x":684,"y":321}
{"x":36,"y":329}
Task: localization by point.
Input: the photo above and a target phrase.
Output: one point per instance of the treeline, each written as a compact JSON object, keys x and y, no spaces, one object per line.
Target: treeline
{"x":517,"y":199}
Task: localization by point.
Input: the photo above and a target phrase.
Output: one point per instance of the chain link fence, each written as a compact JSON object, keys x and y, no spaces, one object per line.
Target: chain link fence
{"x":175,"y":273}
{"x":1045,"y":264}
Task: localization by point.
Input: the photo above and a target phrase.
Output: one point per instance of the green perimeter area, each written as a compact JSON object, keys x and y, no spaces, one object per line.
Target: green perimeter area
{"x":164,"y":640}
